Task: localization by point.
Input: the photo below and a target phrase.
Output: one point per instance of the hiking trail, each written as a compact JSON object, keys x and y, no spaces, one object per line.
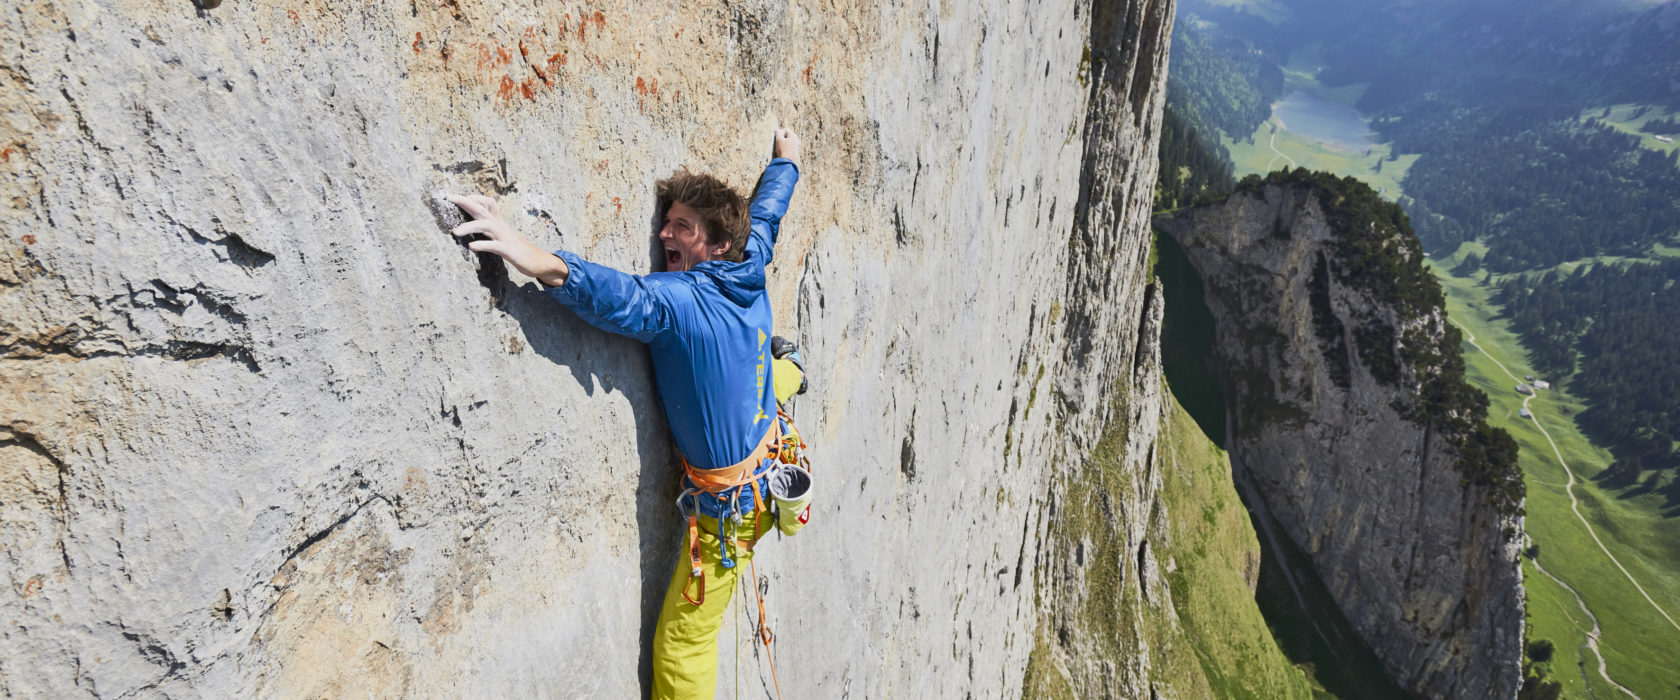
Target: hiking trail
{"x":1272,"y":144}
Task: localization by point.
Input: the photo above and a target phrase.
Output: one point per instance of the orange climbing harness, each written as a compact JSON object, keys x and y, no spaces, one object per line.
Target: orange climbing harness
{"x":715,"y":481}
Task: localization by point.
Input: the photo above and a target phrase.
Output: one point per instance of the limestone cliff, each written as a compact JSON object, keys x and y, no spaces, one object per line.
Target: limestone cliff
{"x":1350,"y":417}
{"x":265,"y":429}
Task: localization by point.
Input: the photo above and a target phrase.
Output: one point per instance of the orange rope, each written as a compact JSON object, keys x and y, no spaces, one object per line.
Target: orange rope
{"x":764,"y":629}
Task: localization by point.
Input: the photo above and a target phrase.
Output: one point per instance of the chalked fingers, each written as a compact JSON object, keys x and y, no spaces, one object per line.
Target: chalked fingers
{"x":473,"y":207}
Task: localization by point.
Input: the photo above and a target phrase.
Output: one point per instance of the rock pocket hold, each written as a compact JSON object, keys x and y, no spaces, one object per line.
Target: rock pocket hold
{"x":448,"y":216}
{"x":491,"y":272}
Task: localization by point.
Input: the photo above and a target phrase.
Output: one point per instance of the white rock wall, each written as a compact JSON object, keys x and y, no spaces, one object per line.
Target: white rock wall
{"x":265,"y":429}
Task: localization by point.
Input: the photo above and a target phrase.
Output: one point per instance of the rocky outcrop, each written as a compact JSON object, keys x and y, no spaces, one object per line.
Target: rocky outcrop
{"x":266,"y":430}
{"x":1350,"y":417}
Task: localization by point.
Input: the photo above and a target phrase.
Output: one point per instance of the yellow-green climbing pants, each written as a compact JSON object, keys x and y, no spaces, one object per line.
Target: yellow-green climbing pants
{"x":685,"y":650}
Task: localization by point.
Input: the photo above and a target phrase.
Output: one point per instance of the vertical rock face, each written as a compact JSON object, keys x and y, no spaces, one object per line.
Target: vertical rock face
{"x":1349,"y":417}
{"x":1101,"y":588}
{"x":265,"y":428}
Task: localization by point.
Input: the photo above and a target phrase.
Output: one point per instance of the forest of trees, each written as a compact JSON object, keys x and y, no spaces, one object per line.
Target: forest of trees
{"x":1220,"y":85}
{"x":1661,"y":127}
{"x":1623,"y":323}
{"x":1191,"y":171}
{"x":1538,"y":196}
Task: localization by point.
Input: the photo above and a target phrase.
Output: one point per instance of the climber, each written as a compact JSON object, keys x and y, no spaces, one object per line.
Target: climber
{"x":707,"y":323}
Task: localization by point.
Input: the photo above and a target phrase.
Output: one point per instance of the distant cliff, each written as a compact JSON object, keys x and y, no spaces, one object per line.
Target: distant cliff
{"x":1350,"y":416}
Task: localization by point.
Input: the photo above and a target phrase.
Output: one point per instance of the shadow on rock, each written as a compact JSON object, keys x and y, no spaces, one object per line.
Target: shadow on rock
{"x":614,"y":363}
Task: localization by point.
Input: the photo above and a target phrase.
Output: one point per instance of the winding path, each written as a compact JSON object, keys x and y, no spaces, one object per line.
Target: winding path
{"x":1574,"y":506}
{"x":1273,"y":145}
{"x":1591,"y":640}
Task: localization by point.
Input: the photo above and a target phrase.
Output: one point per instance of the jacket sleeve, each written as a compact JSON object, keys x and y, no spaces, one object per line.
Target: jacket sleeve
{"x":612,"y":301}
{"x":770,"y":204}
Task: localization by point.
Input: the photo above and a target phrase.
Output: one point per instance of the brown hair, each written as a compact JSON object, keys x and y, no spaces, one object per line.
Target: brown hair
{"x":722,"y":210}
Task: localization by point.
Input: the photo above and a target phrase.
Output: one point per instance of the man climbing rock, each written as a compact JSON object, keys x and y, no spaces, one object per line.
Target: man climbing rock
{"x":707,"y":323}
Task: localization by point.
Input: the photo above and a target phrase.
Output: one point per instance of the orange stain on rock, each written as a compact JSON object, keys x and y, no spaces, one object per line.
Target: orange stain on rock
{"x":535,"y":67}
{"x":29,"y":239}
{"x":417,"y":43}
{"x":618,"y":206}
{"x":6,"y":154}
{"x":293,"y":16}
{"x":525,"y":89}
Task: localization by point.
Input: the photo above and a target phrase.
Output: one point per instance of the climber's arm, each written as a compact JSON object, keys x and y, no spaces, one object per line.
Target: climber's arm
{"x":606,"y":298}
{"x":611,"y":300}
{"x":770,"y":198}
{"x":500,"y":238}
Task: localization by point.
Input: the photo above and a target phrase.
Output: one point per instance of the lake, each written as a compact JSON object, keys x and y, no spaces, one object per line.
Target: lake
{"x":1333,"y":124}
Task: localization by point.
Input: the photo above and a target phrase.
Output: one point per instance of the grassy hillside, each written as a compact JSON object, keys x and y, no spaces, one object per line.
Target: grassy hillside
{"x":1220,"y":645}
{"x":1212,"y":566}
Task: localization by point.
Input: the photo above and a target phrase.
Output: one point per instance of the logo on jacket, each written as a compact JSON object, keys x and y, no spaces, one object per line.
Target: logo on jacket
{"x":762,"y":364}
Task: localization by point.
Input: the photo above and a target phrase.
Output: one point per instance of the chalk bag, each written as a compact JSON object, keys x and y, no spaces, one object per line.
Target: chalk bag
{"x":790,"y":489}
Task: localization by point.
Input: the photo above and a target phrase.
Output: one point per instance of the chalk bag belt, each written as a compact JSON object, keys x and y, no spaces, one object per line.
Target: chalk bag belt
{"x":716,"y":481}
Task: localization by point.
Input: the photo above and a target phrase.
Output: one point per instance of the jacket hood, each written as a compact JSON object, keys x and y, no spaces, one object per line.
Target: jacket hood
{"x":740,"y":282}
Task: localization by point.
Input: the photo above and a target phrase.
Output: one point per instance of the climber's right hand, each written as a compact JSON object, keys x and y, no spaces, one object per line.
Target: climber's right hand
{"x":500,"y":238}
{"x":787,"y":144}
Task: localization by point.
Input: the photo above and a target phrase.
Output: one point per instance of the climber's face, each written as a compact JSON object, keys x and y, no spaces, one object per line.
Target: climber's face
{"x":686,"y":240}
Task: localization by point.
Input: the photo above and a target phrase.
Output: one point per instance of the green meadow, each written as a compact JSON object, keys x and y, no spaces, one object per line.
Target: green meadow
{"x":1621,"y":118}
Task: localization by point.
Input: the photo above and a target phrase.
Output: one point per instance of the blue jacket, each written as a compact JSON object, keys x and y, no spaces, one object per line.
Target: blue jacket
{"x":709,"y":332}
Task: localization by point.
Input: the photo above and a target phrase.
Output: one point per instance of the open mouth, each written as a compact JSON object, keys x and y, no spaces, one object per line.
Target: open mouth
{"x":671,"y":258}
